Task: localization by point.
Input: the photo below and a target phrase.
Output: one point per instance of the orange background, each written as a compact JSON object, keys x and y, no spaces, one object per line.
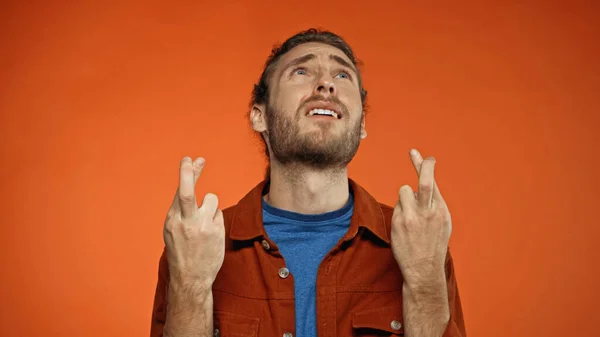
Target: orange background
{"x":99,"y":102}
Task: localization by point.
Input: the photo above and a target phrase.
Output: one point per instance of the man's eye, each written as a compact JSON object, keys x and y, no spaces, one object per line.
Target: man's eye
{"x":343,"y":74}
{"x":300,"y":72}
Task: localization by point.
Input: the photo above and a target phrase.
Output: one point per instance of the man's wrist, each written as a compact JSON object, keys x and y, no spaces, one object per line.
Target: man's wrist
{"x":187,"y":291}
{"x":434,"y":292}
{"x":429,"y":298}
{"x":424,"y":276}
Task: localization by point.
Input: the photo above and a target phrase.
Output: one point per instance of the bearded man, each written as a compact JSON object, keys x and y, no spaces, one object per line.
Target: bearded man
{"x":308,"y":252}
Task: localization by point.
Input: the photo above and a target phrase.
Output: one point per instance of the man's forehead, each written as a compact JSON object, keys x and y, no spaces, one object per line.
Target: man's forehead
{"x":316,"y":48}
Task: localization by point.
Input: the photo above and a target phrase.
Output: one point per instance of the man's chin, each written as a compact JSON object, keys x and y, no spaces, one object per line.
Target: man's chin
{"x":320,"y":147}
{"x":321,"y":139}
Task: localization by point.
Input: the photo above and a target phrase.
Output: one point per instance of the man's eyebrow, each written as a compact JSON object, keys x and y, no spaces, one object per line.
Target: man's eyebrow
{"x":300,"y":60}
{"x":308,"y":57}
{"x":342,"y":62}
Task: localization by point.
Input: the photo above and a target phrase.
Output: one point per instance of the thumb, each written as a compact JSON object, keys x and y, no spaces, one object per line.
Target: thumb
{"x":218,"y":219}
{"x":210,"y":204}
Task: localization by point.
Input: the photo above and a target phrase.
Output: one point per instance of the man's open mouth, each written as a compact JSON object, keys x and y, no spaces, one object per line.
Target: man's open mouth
{"x":322,"y":112}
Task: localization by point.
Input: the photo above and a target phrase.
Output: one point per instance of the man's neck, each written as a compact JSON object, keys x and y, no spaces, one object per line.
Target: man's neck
{"x":305,"y":190}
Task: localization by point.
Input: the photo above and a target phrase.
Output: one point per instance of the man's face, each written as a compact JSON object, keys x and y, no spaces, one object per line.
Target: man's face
{"x":315,"y":114}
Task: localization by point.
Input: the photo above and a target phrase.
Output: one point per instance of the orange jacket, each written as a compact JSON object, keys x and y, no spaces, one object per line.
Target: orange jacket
{"x":359,"y":283}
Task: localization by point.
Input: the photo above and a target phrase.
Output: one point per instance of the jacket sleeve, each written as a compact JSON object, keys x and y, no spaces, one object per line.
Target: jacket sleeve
{"x":456,"y":325}
{"x":159,"y":309}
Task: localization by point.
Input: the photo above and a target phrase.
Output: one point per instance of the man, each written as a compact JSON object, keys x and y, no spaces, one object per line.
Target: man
{"x":308,"y":252}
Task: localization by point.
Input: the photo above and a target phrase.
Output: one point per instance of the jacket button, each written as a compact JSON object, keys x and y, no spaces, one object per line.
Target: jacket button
{"x":217,"y":333}
{"x":265,"y":245}
{"x":284,"y":273}
{"x":288,"y":334}
{"x":396,"y":325}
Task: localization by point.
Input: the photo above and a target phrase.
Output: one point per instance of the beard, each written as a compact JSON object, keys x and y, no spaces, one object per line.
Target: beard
{"x":319,"y":149}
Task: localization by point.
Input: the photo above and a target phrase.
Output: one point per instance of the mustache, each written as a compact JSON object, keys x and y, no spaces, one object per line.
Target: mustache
{"x":331,"y":99}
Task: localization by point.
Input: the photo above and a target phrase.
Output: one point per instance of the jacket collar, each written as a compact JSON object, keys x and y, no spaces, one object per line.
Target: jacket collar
{"x":247,"y":222}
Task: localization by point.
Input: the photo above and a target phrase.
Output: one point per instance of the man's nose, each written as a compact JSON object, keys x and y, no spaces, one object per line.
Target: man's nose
{"x":325,"y":87}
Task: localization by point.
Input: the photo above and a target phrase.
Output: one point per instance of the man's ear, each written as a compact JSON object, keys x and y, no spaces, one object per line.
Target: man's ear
{"x":363,"y":129}
{"x":257,"y":118}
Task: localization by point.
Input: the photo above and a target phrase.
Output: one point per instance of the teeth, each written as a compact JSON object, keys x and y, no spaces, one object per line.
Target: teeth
{"x":322,"y":112}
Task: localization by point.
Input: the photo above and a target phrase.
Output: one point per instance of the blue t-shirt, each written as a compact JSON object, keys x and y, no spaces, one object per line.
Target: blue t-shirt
{"x":304,"y":240}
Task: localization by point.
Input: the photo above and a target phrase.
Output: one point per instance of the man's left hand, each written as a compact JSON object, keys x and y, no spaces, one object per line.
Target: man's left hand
{"x":421,"y":228}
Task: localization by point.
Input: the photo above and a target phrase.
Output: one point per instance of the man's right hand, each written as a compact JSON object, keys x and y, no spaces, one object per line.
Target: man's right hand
{"x":194,"y":236}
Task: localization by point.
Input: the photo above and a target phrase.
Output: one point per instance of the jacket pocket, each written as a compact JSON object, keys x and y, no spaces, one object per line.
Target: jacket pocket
{"x":227,"y":324}
{"x":385,"y":321}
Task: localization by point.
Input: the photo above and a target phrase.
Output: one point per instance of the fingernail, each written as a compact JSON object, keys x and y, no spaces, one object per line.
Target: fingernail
{"x":200,"y":161}
{"x":413,"y":152}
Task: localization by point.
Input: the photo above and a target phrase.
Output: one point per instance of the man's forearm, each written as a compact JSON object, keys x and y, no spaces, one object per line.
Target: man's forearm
{"x":189,"y":312}
{"x":426,"y":309}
